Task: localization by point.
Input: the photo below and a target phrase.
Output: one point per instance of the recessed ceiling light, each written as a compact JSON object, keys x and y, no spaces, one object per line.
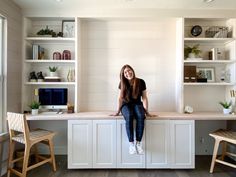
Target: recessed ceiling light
{"x":208,"y":1}
{"x":58,"y":0}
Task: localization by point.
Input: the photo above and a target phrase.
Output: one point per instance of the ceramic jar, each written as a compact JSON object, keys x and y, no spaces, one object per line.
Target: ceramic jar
{"x":66,"y":55}
{"x":56,"y":56}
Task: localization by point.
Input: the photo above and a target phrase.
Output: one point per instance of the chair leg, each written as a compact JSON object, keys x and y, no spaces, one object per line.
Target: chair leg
{"x":36,"y":153}
{"x":217,"y":142}
{"x":11,"y":153}
{"x":26,"y":160}
{"x":51,"y":148}
{"x":224,"y":150}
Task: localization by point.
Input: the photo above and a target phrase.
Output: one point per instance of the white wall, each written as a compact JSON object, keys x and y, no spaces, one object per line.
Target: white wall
{"x":148,"y":46}
{"x":14,"y":58}
{"x":14,"y":42}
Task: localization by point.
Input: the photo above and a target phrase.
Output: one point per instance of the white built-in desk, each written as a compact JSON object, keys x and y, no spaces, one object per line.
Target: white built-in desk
{"x":97,"y":140}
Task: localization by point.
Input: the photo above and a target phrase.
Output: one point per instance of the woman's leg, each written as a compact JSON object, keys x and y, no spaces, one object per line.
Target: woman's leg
{"x":140,"y":117}
{"x":127,"y":112}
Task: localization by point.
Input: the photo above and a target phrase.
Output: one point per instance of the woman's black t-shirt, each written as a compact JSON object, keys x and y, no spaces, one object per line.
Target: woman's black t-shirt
{"x":142,"y":87}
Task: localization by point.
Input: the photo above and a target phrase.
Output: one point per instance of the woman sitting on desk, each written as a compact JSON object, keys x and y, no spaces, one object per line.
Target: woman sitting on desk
{"x":132,"y":89}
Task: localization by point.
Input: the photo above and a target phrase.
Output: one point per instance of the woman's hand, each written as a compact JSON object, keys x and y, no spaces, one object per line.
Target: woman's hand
{"x":115,"y":114}
{"x":151,"y":115}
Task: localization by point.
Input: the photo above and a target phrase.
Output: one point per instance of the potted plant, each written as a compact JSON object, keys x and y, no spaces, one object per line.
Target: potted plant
{"x":53,"y":71}
{"x":226,"y":106}
{"x":192,"y":52}
{"x":34,"y":107}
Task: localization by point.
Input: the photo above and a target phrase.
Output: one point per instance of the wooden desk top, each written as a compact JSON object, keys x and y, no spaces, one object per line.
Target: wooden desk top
{"x":160,"y":116}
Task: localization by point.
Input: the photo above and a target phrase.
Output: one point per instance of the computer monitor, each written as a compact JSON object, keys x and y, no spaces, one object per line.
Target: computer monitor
{"x":53,"y":98}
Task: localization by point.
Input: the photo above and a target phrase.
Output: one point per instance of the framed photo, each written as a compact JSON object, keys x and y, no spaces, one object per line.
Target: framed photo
{"x":68,"y":28}
{"x":208,"y":73}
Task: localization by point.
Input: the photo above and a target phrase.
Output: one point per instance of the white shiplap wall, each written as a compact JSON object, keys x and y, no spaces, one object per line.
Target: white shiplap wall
{"x":148,"y":46}
{"x":14,"y":58}
{"x":12,"y":13}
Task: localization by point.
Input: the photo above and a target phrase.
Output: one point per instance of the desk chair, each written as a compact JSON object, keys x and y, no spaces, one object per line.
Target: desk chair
{"x":224,"y":137}
{"x":19,"y":132}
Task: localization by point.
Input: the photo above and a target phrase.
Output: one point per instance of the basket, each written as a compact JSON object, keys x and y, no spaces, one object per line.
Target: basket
{"x":217,"y":32}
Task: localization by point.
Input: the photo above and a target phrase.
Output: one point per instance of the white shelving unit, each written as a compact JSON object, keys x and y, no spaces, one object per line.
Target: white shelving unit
{"x":206,"y":96}
{"x":50,"y":45}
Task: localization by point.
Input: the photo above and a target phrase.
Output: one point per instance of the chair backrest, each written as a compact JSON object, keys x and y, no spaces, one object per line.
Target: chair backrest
{"x":17,"y":123}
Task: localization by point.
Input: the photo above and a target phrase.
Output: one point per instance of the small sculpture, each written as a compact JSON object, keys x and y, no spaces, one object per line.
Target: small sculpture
{"x":33,"y":77}
{"x":40,"y":76}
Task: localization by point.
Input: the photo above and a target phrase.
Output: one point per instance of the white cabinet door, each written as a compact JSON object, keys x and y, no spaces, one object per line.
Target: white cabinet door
{"x":124,"y":159}
{"x":157,"y":143}
{"x":182,"y":143}
{"x":79,"y":144}
{"x":104,"y":143}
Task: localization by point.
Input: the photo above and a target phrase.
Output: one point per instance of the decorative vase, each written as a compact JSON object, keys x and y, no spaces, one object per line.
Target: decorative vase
{"x":56,"y":56}
{"x":226,"y":111}
{"x":66,"y":55}
{"x":71,"y":75}
{"x":191,"y":55}
{"x":34,"y":111}
{"x":53,"y":74}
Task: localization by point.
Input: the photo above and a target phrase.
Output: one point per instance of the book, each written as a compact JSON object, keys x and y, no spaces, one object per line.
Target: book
{"x":35,"y":51}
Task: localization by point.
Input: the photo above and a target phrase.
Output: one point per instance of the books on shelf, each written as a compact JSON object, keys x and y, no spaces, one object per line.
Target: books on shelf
{"x":216,"y":54}
{"x":37,"y":52}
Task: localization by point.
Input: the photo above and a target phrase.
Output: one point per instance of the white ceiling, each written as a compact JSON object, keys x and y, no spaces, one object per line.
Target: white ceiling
{"x":123,"y":4}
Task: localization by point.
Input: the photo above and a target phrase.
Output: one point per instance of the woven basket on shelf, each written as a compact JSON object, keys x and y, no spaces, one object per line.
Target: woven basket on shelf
{"x":217,"y":32}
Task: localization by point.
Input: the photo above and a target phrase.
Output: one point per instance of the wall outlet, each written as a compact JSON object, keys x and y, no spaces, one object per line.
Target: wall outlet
{"x":202,"y":140}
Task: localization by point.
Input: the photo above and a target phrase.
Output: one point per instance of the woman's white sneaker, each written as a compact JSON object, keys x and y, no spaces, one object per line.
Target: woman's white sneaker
{"x":139,"y":148}
{"x":132,"y":149}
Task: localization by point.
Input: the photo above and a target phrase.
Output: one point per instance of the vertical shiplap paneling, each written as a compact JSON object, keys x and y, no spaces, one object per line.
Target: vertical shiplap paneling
{"x":148,"y":46}
{"x":14,"y":58}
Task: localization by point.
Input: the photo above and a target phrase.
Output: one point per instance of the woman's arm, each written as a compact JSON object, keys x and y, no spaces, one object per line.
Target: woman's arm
{"x":119,"y":105}
{"x":145,"y":103}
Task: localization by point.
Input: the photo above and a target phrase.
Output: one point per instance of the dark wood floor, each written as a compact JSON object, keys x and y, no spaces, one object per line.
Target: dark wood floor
{"x":201,"y":170}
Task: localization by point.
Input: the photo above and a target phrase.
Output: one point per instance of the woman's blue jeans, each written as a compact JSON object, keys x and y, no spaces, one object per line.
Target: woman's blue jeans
{"x":131,"y":112}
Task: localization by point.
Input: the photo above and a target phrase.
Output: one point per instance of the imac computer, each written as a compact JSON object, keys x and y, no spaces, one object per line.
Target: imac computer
{"x":53,"y":98}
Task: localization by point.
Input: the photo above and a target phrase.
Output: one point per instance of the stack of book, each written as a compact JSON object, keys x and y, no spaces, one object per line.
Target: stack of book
{"x":52,"y":79}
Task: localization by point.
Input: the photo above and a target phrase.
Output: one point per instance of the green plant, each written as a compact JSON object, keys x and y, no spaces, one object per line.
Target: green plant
{"x":45,"y":31}
{"x":52,"y":69}
{"x":225,"y":104}
{"x":34,"y":105}
{"x":195,"y":49}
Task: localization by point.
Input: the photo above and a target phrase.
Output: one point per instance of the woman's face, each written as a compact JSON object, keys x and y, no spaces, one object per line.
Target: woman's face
{"x":128,"y":73}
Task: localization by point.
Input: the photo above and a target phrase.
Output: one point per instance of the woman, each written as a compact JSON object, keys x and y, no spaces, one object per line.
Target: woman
{"x":132,"y":89}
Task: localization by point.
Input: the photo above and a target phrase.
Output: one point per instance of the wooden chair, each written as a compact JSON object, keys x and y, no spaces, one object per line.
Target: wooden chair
{"x":19,"y":132}
{"x":224,"y":137}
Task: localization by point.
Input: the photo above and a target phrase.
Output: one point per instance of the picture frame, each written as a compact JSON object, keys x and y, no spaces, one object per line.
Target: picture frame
{"x":68,"y":28}
{"x":208,"y":73}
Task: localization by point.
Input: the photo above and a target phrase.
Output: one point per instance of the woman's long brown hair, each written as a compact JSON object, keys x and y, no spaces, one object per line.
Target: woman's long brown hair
{"x":125,"y":84}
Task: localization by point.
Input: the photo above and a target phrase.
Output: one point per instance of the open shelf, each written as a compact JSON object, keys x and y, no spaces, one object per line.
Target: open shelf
{"x":209,"y":40}
{"x":207,"y":83}
{"x":49,"y":61}
{"x":50,"y":83}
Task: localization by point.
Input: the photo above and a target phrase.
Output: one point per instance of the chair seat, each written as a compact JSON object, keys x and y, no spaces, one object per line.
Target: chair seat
{"x":225,"y":135}
{"x":33,"y":135}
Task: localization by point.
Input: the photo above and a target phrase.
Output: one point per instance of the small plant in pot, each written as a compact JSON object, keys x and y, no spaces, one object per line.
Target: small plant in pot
{"x":53,"y":71}
{"x":226,"y":106}
{"x":192,"y":52}
{"x":34,"y":107}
